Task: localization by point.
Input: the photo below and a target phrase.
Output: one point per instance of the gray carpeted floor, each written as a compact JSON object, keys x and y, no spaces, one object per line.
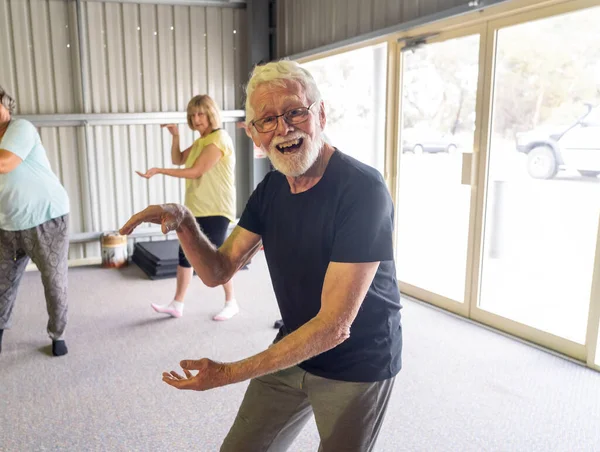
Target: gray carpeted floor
{"x":463,"y":388}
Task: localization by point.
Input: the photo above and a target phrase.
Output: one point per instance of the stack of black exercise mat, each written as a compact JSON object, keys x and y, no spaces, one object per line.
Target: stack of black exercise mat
{"x":158,"y":259}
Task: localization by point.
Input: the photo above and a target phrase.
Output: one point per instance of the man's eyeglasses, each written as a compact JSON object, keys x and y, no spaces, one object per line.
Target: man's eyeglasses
{"x":292,"y":117}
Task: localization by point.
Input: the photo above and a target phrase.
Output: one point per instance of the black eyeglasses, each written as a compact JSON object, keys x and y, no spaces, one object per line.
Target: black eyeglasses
{"x":292,"y":117}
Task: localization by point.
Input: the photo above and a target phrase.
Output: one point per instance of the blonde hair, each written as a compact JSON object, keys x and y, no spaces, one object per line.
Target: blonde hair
{"x":7,"y":101}
{"x":276,"y":73}
{"x":206,"y":105}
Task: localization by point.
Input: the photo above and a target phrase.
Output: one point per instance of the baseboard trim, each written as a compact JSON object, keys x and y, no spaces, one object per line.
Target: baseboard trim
{"x":72,"y":263}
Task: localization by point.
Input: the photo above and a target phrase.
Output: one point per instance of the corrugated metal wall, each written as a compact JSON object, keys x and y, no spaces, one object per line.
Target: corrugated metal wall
{"x":138,"y":58}
{"x":38,"y":46}
{"x":307,"y":24}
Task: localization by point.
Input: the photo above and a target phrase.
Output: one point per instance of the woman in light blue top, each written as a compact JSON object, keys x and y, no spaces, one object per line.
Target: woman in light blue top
{"x":34,"y":217}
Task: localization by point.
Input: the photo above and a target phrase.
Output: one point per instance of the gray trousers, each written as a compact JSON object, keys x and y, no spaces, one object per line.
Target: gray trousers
{"x":276,"y":407}
{"x":48,"y":247}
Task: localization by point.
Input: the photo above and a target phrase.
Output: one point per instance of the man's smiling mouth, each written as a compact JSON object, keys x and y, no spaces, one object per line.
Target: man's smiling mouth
{"x":290,"y":146}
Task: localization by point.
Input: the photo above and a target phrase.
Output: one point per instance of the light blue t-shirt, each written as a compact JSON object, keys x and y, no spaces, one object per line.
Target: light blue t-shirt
{"x":31,"y":194}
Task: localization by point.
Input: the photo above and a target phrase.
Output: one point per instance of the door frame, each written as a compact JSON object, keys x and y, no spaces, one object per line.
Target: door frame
{"x":543,"y":338}
{"x":439,"y":300}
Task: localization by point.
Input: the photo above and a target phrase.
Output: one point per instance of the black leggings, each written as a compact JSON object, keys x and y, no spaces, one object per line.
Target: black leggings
{"x":215,"y":229}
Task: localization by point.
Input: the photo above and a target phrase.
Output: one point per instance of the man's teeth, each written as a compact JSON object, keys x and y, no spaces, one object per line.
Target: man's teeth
{"x":288,"y":144}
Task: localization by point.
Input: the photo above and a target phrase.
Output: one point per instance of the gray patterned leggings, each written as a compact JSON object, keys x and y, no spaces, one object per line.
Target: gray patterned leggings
{"x":48,"y":247}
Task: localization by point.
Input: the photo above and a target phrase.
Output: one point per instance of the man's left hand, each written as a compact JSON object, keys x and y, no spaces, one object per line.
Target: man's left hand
{"x":211,"y":374}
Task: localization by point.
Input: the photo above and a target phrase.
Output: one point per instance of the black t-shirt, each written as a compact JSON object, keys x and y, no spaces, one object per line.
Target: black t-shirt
{"x":346,"y":217}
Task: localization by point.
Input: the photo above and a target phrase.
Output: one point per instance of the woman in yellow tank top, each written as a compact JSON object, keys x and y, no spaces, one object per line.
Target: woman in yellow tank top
{"x":209,"y":191}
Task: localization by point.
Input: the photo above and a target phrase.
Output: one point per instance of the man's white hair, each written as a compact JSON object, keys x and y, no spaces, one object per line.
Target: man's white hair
{"x":277,"y":73}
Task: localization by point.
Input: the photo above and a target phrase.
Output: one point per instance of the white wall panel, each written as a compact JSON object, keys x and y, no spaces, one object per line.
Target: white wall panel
{"x":137,"y":58}
{"x":25,"y":88}
{"x":307,"y":24}
{"x":42,"y":60}
{"x":139,"y":187}
{"x":182,"y":53}
{"x":214,"y":57}
{"x":150,"y":58}
{"x":134,"y":89}
{"x":70,"y":141}
{"x":198,"y":52}
{"x":64,"y":56}
{"x":165,"y":37}
{"x":240,"y":62}
{"x":62,"y":144}
{"x":228,"y":52}
{"x":7,"y":71}
{"x":240,"y":56}
{"x":39,"y":49}
{"x":97,"y":62}
{"x":114,"y":42}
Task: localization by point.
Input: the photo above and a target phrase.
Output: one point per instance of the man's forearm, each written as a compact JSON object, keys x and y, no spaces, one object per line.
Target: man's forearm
{"x":312,"y":339}
{"x":201,"y":253}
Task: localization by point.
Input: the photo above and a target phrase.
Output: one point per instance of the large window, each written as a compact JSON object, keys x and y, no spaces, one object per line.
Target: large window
{"x":544,"y":159}
{"x":353,"y":88}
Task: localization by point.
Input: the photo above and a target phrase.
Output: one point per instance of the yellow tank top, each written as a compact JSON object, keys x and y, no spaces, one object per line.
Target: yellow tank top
{"x":213,"y":193}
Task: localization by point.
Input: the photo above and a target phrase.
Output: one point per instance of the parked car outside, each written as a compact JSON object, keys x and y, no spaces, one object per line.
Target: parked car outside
{"x":574,"y":147}
{"x":423,"y":141}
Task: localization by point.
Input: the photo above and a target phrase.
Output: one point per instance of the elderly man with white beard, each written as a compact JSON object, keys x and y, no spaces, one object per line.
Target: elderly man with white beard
{"x":325,"y":221}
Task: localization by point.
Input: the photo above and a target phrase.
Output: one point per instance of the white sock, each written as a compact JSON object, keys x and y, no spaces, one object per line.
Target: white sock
{"x":177,"y":305}
{"x":231,"y":308}
{"x":174,"y":308}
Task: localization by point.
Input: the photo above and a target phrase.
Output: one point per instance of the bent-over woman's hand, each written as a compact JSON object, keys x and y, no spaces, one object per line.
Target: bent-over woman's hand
{"x":169,"y":216}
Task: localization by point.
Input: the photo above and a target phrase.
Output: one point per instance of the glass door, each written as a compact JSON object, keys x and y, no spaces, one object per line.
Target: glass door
{"x":439,"y":85}
{"x":543,"y":162}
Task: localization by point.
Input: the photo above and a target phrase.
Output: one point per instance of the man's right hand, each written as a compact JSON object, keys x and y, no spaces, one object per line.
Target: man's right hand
{"x":172,"y":128}
{"x":169,"y":216}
